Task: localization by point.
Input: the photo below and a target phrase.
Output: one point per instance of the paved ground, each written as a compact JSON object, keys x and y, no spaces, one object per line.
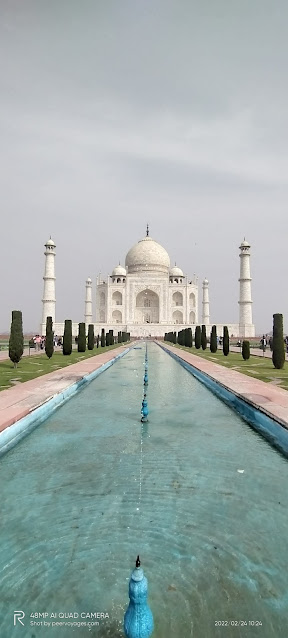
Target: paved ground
{"x":271,"y":399}
{"x":17,"y":402}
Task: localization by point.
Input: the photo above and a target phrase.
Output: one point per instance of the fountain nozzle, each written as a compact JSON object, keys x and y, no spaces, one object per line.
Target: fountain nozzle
{"x":138,"y":561}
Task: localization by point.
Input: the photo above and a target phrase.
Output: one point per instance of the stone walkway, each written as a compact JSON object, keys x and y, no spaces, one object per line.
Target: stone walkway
{"x":17,"y":402}
{"x":270,"y":399}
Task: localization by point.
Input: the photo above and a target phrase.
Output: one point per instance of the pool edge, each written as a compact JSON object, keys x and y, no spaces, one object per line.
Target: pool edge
{"x":268,"y":425}
{"x":12,"y":434}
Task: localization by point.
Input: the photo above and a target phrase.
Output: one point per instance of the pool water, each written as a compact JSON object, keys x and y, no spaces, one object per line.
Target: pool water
{"x":196,"y":492}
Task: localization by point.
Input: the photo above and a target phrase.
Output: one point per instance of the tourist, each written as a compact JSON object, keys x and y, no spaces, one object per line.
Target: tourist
{"x":263,"y":344}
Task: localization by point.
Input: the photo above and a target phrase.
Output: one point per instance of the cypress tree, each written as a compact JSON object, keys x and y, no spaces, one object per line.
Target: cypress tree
{"x":91,"y":336}
{"x":67,"y":338}
{"x":198,"y":337}
{"x":97,"y":341}
{"x":107,"y":340}
{"x":111,"y":338}
{"x":16,"y":340}
{"x":189,"y":338}
{"x":81,"y":337}
{"x":246,"y":350}
{"x":225,"y":341}
{"x":49,"y":343}
{"x":213,"y":340}
{"x":278,"y":352}
{"x":103,"y":340}
{"x":203,"y":338}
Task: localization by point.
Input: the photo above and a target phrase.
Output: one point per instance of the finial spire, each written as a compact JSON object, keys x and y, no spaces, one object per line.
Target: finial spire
{"x":147,"y":230}
{"x":138,"y":561}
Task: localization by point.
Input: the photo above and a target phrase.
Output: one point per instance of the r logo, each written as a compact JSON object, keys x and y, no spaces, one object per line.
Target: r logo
{"x":18,"y":615}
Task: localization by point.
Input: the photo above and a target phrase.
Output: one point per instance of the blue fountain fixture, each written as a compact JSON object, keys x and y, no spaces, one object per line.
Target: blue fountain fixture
{"x":145,"y":376}
{"x":138,"y":619}
{"x":144,"y":410}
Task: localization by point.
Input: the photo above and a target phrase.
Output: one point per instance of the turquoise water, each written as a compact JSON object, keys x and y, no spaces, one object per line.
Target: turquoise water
{"x":91,"y":488}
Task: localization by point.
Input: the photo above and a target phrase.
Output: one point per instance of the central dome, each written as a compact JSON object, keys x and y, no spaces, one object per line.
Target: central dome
{"x":147,"y":255}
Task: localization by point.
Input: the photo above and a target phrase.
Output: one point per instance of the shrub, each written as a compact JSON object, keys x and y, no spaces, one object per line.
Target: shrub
{"x":198,"y":337}
{"x":203,"y":338}
{"x":91,"y":340}
{"x":225,"y":341}
{"x":213,"y":340}
{"x":246,"y":350}
{"x":49,"y":343}
{"x":103,"y":340}
{"x":189,"y":340}
{"x":67,"y":338}
{"x":81,"y":337}
{"x":278,"y":352}
{"x":16,"y":340}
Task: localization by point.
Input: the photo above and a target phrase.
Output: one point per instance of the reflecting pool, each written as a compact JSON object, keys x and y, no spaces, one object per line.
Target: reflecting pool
{"x":196,"y":492}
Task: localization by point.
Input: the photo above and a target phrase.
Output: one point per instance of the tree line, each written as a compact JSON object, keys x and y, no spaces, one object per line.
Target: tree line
{"x":185,"y":338}
{"x":16,"y":339}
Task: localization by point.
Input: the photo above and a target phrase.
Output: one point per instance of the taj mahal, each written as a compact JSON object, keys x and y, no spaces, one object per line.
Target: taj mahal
{"x":148,"y":296}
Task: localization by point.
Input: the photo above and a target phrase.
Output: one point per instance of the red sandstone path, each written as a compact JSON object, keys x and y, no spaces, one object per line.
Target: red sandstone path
{"x":271,"y":399}
{"x":17,"y":402}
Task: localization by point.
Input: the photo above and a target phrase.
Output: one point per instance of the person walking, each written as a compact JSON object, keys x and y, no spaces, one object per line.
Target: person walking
{"x":263,"y":344}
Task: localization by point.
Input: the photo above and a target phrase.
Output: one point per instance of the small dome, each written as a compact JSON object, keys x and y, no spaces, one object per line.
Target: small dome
{"x":50,"y":242}
{"x":205,"y":282}
{"x":88,"y":280}
{"x":147,"y":255}
{"x":119,"y":271}
{"x":175,"y":271}
{"x":245,"y":243}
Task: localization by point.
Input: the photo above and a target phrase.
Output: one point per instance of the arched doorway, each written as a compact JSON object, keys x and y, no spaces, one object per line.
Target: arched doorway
{"x":147,"y":307}
{"x":177,"y":299}
{"x":117,"y":316}
{"x":177,"y":316}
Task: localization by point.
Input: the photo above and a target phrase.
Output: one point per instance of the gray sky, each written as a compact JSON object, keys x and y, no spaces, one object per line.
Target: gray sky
{"x":115,"y":113}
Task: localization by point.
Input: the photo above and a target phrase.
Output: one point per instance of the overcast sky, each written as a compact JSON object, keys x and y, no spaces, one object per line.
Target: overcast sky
{"x":115,"y":113}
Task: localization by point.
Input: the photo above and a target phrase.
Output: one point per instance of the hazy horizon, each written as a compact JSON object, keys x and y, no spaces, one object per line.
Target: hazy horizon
{"x":118,"y":114}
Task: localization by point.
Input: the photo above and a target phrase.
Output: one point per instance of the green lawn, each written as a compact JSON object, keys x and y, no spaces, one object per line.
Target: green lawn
{"x":257,"y":367}
{"x":37,"y":365}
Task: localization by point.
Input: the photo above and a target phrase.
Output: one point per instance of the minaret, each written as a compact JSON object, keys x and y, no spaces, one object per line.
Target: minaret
{"x":88,"y":302}
{"x":49,"y":299}
{"x":245,"y":301}
{"x":205,"y":303}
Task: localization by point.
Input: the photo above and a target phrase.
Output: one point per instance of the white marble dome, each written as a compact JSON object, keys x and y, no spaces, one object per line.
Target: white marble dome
{"x":147,"y":255}
{"x":50,"y":242}
{"x":119,"y":271}
{"x":175,"y":271}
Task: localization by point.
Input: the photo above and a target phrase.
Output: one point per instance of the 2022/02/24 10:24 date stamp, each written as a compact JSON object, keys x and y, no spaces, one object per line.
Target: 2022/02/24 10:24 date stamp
{"x":238,"y":623}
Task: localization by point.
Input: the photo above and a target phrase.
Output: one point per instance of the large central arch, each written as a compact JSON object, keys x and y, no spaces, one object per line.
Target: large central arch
{"x":147,"y":307}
